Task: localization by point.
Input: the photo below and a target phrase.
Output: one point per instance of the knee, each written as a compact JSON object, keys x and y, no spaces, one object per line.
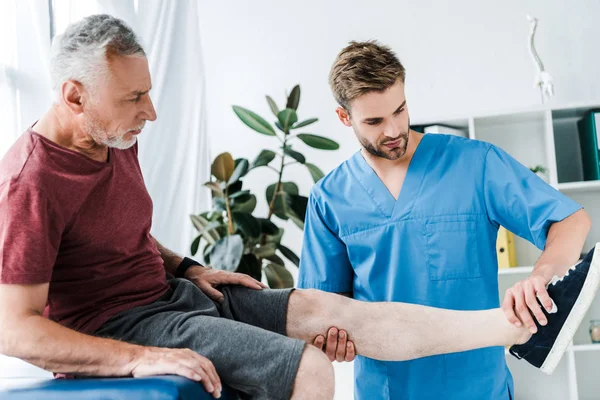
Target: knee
{"x":315,"y":378}
{"x":316,"y":302}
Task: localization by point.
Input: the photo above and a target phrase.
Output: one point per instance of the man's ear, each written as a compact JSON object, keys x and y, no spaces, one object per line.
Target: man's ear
{"x":73,"y":94}
{"x":343,"y":115}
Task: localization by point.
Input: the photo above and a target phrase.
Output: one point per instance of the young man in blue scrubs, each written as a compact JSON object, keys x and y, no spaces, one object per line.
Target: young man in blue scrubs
{"x":413,"y":218}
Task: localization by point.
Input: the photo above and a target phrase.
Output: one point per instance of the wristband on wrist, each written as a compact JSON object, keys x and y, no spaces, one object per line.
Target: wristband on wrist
{"x":185,"y":264}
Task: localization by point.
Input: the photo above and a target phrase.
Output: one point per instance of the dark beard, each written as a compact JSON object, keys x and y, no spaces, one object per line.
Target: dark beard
{"x":392,"y":154}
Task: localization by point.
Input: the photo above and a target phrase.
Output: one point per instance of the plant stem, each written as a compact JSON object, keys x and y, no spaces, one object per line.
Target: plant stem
{"x":229,"y":218}
{"x":278,"y":185}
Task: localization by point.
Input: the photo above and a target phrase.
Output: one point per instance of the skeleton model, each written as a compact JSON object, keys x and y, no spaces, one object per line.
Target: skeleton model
{"x":543,"y":80}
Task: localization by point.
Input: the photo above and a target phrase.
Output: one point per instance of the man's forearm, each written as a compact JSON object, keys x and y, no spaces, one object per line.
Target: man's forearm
{"x":53,"y":347}
{"x":564,"y":244}
{"x":170,"y":259}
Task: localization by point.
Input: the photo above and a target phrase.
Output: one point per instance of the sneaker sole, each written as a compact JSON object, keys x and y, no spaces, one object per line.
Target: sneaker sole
{"x":580,"y":308}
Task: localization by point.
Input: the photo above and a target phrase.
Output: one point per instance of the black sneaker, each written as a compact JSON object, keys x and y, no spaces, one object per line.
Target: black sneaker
{"x":573,"y":295}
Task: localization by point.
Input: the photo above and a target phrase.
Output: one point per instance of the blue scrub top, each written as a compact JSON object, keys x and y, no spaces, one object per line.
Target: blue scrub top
{"x":435,"y":245}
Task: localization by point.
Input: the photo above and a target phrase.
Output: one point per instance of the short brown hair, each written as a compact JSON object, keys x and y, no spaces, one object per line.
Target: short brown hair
{"x":363,"y":67}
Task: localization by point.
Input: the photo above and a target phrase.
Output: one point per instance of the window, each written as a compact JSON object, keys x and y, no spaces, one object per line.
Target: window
{"x":9,"y":95}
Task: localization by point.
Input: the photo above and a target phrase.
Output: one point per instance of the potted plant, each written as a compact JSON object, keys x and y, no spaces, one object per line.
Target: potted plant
{"x":233,"y":238}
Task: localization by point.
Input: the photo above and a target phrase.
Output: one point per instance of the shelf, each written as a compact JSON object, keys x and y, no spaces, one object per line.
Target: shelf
{"x":583,"y":186}
{"x":515,"y":270}
{"x":575,"y":348}
{"x":586,"y":347}
{"x":525,"y":117}
{"x":572,"y":110}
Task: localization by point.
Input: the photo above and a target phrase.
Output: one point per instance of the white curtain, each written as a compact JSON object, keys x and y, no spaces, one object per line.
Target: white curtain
{"x":9,"y":125}
{"x":24,"y":74}
{"x":25,"y":95}
{"x":174,"y":150}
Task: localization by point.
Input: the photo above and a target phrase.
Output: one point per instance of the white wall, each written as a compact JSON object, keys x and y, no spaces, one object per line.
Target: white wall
{"x":462,"y":57}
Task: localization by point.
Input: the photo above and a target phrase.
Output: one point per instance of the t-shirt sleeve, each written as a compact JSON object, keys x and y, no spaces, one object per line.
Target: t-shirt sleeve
{"x":30,"y":234}
{"x":521,"y":201}
{"x":324,"y":262}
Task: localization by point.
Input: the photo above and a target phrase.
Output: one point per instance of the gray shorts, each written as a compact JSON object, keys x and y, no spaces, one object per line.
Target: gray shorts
{"x":244,"y":336}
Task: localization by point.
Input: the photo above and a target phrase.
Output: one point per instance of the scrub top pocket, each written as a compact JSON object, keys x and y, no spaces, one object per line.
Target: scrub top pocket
{"x":452,"y":249}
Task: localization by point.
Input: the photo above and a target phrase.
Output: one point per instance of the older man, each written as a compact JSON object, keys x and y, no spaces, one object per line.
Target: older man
{"x":75,"y":237}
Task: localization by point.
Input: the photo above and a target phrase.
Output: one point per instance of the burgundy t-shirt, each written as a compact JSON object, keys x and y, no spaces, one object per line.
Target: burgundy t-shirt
{"x":83,"y":226}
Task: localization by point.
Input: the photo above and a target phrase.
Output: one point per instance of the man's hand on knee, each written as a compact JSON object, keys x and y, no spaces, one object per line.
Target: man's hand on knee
{"x":337,"y":346}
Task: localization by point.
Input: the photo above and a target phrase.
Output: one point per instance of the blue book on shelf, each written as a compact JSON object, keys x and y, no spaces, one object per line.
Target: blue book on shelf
{"x":589,"y":140}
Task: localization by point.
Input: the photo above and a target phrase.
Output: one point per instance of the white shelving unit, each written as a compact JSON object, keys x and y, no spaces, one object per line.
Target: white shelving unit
{"x":575,"y":378}
{"x":515,"y":271}
{"x":546,"y":136}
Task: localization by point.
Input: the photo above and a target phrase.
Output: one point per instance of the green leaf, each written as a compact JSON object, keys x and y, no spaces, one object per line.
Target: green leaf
{"x":212,"y":215}
{"x":296,"y":220}
{"x":211,"y":226}
{"x":265,"y":250}
{"x":254,"y":121}
{"x":195,"y":245}
{"x":294,"y":154}
{"x":206,"y":253}
{"x":246,"y":223}
{"x":250,"y":265}
{"x":264,"y":158}
{"x":278,"y":125}
{"x":275,"y":238}
{"x":279,"y":207}
{"x":233,"y":188}
{"x":226,"y":253}
{"x":215,"y":189}
{"x":242,"y":193}
{"x":289,"y":254}
{"x":305,"y":123}
{"x":240,"y":170}
{"x":272,"y":105}
{"x":318,"y":142}
{"x":287,"y":118}
{"x":240,"y":199}
{"x":315,"y":172}
{"x":288,"y":187}
{"x":275,"y":259}
{"x":278,"y":277}
{"x":200,"y":223}
{"x":223,"y":167}
{"x":294,"y":98}
{"x":245,"y":207}
{"x":296,"y":208}
{"x":267,"y":227}
{"x":280,"y":202}
{"x":219,"y":204}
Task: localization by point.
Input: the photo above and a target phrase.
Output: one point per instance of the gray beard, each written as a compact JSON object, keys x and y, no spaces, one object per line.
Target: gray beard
{"x":100,"y":136}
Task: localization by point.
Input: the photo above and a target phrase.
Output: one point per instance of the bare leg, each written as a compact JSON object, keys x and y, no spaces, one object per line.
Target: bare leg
{"x":315,"y":378}
{"x":398,"y":331}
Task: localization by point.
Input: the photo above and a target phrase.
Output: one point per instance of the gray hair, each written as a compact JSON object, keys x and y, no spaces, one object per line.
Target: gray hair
{"x":81,"y":53}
